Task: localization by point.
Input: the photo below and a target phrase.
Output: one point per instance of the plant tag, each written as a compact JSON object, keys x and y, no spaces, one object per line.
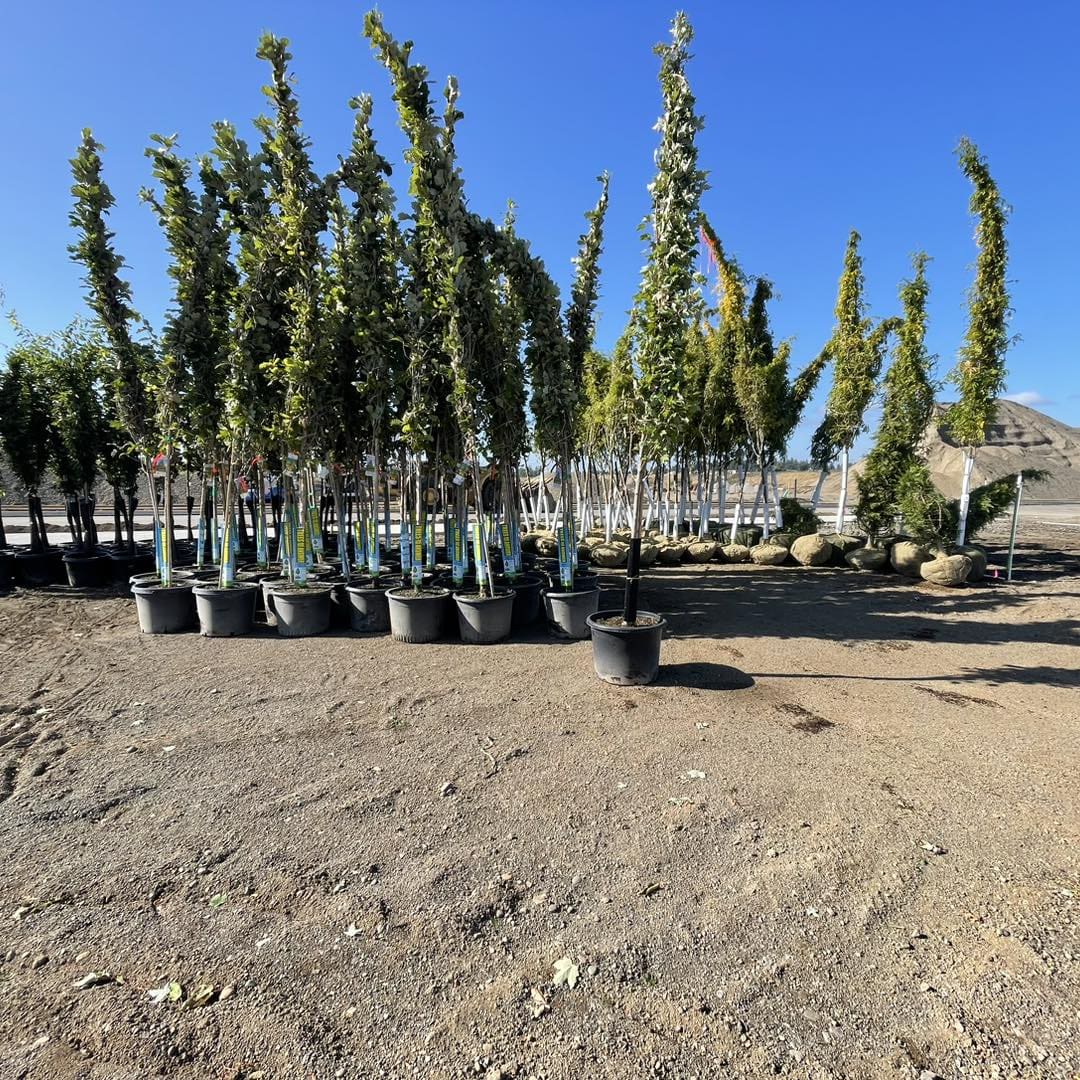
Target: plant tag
{"x":510,"y":559}
{"x":566,"y":566}
{"x":372,"y":549}
{"x":418,"y":549}
{"x":459,"y":479}
{"x":406,"y":546}
{"x":479,"y":554}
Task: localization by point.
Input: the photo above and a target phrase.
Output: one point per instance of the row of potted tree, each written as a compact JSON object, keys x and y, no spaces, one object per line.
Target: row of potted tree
{"x":301,"y":378}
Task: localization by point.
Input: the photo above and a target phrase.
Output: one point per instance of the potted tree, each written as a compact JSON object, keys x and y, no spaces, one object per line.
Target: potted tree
{"x":197,"y":341}
{"x":139,"y":380}
{"x":74,"y":362}
{"x":300,"y":370}
{"x":28,"y":438}
{"x":626,"y":643}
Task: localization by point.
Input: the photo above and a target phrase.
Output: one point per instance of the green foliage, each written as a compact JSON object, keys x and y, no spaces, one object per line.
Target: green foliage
{"x":300,"y":206}
{"x":196,"y":339}
{"x":25,"y":416}
{"x":109,"y":296}
{"x":581,"y":314}
{"x":798,"y":519}
{"x":365,"y":296}
{"x":857,"y":349}
{"x":980,"y":374}
{"x":909,"y":400}
{"x":667,"y":299}
{"x":932,"y":518}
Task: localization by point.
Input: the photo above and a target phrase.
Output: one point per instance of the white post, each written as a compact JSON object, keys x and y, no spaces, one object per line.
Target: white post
{"x":965,"y":495}
{"x":841,"y":508}
{"x":757,"y":503}
{"x":721,"y":507}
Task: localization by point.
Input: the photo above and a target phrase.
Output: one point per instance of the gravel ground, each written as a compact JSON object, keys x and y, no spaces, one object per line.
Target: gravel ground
{"x":838,"y":838}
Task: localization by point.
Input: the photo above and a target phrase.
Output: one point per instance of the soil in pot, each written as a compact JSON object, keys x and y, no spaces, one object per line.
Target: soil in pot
{"x":164,"y":609}
{"x":225,"y":612}
{"x":86,"y":571}
{"x":369,"y":609}
{"x":626,"y":655}
{"x":301,"y":610}
{"x":417,"y":615}
{"x":483,"y":620}
{"x":567,"y":612}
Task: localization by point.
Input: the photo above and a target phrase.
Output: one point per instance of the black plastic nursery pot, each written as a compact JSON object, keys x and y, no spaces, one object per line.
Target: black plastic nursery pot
{"x":369,"y":609}
{"x":301,"y":610}
{"x":417,"y":616}
{"x":122,"y":564}
{"x":626,"y":655}
{"x":87,"y":571}
{"x":164,"y":609}
{"x":339,"y":601}
{"x":528,"y":596}
{"x":37,"y":568}
{"x":7,"y":569}
{"x":567,"y":612}
{"x":483,"y":620}
{"x":268,"y":585}
{"x":225,"y":612}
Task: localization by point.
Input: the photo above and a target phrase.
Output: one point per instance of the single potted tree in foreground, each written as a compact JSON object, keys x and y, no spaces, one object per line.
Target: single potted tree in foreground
{"x":626,"y":644}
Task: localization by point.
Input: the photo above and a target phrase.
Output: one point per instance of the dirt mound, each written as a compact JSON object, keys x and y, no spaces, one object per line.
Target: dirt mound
{"x":1020,"y":438}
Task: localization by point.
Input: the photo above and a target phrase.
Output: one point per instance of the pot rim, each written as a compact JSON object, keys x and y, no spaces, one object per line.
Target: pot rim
{"x":206,"y":588}
{"x":502,"y":592}
{"x":591,"y":622}
{"x":431,"y":592}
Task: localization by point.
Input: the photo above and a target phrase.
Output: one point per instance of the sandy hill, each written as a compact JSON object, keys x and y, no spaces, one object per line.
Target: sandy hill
{"x":1021,"y":438}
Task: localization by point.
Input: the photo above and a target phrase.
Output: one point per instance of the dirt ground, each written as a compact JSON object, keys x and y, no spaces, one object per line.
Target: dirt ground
{"x":839,"y":838}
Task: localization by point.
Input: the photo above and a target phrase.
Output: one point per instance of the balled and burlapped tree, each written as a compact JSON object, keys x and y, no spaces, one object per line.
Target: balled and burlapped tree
{"x":668,"y":300}
{"x":133,"y":365}
{"x":980,"y":374}
{"x":857,"y":350}
{"x":906,"y":410}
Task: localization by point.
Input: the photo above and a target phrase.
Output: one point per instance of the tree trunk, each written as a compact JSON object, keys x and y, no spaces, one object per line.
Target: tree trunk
{"x":841,"y":508}
{"x":965,"y":496}
{"x":633,"y":561}
{"x":816,"y":497}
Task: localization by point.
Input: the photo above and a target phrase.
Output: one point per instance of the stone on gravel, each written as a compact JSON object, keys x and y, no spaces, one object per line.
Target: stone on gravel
{"x":907,"y":556}
{"x":949,"y":570}
{"x":768,"y":554}
{"x":784,"y":539}
{"x":735,"y":553}
{"x":811,"y":550}
{"x":649,"y":553}
{"x":867,"y":559}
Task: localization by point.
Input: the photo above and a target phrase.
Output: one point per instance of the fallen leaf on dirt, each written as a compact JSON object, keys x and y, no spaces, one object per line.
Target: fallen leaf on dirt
{"x":934,"y":849}
{"x":652,"y":888}
{"x":95,"y":978}
{"x":261,"y":942}
{"x":218,"y":899}
{"x":566,"y":971}
{"x":203,"y":994}
{"x":694,"y":774}
{"x":167,"y":749}
{"x":352,"y":930}
{"x":171,"y":991}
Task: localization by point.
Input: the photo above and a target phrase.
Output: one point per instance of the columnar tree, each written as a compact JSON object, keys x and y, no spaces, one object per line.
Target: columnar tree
{"x":980,"y":374}
{"x":300,"y":205}
{"x":26,"y":426}
{"x":908,"y":404}
{"x":368,"y":309}
{"x":196,"y":338}
{"x":857,"y":348}
{"x":667,"y":299}
{"x":109,"y":297}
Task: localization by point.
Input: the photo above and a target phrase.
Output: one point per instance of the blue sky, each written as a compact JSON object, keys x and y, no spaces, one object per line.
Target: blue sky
{"x":819,"y":118}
